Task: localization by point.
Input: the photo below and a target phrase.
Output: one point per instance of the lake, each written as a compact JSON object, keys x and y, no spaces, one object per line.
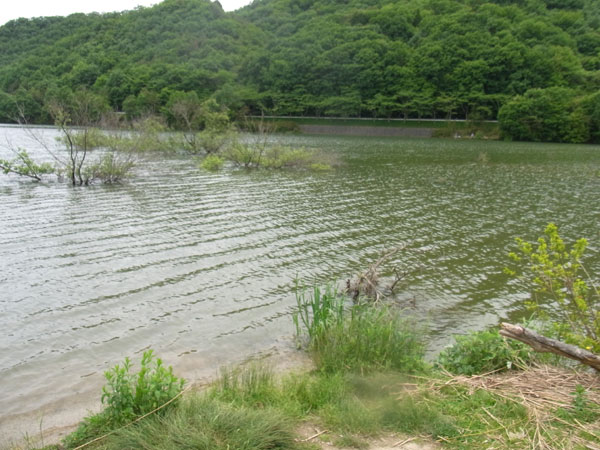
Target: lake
{"x":201,"y":267}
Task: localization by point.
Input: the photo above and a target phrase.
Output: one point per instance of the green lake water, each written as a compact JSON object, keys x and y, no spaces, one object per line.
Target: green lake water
{"x":201,"y":266}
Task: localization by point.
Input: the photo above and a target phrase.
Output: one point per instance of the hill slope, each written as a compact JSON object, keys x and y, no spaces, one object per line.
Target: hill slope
{"x":375,"y":58}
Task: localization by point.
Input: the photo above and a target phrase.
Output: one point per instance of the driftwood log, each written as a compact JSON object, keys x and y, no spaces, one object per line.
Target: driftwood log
{"x":543,"y":344}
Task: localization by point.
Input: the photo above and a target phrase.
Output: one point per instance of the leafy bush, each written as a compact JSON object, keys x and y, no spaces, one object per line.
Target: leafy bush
{"x":279,"y":157}
{"x":24,"y":166}
{"x":556,"y":273}
{"x":273,"y":157}
{"x":212,"y":163}
{"x":112,"y":167}
{"x":128,"y":396}
{"x":482,"y":352}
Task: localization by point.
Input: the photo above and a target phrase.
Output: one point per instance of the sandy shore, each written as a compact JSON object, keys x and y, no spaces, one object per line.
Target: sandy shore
{"x":52,"y":421}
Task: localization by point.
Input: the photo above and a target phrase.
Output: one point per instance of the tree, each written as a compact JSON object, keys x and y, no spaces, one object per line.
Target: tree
{"x":77,"y":118}
{"x":549,"y":115}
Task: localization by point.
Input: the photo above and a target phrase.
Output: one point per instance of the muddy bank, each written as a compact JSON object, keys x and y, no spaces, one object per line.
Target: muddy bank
{"x":366,"y":131}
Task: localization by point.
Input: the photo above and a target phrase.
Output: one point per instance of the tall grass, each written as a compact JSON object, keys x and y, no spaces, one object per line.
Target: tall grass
{"x":371,"y":338}
{"x":357,"y":338}
{"x":317,"y":311}
{"x":203,"y":423}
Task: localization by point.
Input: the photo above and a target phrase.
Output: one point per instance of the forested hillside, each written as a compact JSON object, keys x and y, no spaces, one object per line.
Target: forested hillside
{"x":535,"y":64}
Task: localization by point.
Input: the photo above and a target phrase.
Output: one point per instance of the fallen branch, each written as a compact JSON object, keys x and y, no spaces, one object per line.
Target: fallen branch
{"x":544,"y":344}
{"x":366,"y":284}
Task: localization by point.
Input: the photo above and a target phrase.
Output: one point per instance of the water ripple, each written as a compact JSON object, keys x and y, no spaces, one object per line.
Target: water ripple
{"x":201,"y":267}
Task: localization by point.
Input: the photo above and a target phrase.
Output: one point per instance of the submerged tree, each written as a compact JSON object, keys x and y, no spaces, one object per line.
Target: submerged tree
{"x":24,"y":166}
{"x":75,"y":119}
{"x":78,"y":118}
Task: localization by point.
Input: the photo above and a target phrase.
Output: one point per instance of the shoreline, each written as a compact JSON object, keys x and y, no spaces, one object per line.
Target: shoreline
{"x":50,"y":423}
{"x":349,"y":130}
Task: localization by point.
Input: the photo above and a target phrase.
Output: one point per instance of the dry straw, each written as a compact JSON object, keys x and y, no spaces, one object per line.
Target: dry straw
{"x":542,"y":390}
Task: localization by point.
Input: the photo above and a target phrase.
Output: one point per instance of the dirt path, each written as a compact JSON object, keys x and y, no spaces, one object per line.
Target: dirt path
{"x":393,"y":441}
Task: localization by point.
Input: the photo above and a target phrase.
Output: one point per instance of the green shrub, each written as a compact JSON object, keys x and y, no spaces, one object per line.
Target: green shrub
{"x":212,"y":163}
{"x":279,"y":157}
{"x":112,"y":167}
{"x":128,"y":396}
{"x":273,"y":157}
{"x":482,"y":352}
{"x":571,"y":301}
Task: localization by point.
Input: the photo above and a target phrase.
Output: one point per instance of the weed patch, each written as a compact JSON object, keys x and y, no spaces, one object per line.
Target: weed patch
{"x":483,"y":352}
{"x":357,"y":338}
{"x":128,"y":396}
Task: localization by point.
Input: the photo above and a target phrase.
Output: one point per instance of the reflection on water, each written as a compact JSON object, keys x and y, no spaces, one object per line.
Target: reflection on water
{"x":200,"y":266}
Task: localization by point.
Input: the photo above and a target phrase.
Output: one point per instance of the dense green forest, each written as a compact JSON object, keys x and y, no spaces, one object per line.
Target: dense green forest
{"x":532,"y":64}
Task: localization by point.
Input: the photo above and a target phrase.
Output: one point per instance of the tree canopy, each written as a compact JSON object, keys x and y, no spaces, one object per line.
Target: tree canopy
{"x":473,"y":59}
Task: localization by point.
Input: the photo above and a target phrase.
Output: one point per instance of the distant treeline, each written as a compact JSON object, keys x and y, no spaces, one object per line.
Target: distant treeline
{"x":532,"y":64}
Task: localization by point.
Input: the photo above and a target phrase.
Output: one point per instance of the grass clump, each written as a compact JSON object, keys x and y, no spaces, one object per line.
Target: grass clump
{"x":357,"y":338}
{"x":482,"y":352}
{"x":205,"y":423}
{"x":372,"y":338}
{"x":250,"y":386}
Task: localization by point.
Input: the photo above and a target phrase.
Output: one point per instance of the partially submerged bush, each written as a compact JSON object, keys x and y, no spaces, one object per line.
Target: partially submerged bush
{"x":24,"y":166}
{"x":212,"y":163}
{"x":273,"y":157}
{"x":362,"y":337}
{"x":483,"y":352}
{"x":111,"y":167}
